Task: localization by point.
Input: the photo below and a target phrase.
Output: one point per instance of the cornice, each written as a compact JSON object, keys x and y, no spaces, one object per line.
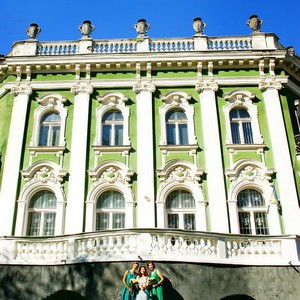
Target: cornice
{"x":156,"y":82}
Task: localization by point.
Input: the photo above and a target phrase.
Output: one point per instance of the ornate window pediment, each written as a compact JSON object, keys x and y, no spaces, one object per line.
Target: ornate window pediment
{"x":112,"y":128}
{"x":43,"y":172}
{"x":49,"y":124}
{"x":177,"y":121}
{"x":111,"y":173}
{"x":242,"y":124}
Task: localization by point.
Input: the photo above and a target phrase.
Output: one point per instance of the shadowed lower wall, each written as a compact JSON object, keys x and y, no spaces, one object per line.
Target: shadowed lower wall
{"x":183,"y":281}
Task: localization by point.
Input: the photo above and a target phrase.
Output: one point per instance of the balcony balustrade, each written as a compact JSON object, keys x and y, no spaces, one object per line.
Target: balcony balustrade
{"x":159,"y":45}
{"x":151,"y":244}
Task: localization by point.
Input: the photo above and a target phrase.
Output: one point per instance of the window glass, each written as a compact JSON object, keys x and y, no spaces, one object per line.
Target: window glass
{"x":50,"y":130}
{"x":42,"y":214}
{"x":176,"y":127}
{"x":240,"y":124}
{"x":112,"y":128}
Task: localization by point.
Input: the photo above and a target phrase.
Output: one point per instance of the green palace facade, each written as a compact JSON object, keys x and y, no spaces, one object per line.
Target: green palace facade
{"x":185,"y":151}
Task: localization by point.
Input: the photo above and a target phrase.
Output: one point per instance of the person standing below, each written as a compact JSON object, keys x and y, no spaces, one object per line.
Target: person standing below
{"x":142,"y":280}
{"x":128,"y":277}
{"x":156,"y":293}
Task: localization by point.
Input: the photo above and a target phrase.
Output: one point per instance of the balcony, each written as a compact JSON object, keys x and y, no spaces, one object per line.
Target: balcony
{"x":262,"y":41}
{"x":151,"y":244}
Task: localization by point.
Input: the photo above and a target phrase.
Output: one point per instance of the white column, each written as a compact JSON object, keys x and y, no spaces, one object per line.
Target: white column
{"x":284,"y":171}
{"x":145,"y":160}
{"x":78,"y":171}
{"x":213,"y":158}
{"x":11,"y":170}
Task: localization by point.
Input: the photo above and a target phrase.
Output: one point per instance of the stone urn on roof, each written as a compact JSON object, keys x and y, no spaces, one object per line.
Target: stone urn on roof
{"x":86,"y":29}
{"x":254,"y":23}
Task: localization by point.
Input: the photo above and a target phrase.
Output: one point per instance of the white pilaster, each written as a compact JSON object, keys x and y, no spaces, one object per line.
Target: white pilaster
{"x":280,"y":149}
{"x":213,"y":157}
{"x":145,"y":163}
{"x":78,"y":171}
{"x":11,"y":170}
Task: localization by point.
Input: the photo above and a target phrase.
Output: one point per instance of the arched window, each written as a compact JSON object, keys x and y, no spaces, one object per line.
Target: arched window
{"x":252,"y":212}
{"x":240,"y":123}
{"x":110,"y":211}
{"x":112,"y":128}
{"x":181,"y":209}
{"x":42,"y":214}
{"x":177,"y":127}
{"x":50,"y":126}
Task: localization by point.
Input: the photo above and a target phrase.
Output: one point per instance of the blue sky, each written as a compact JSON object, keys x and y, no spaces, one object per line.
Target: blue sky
{"x":59,"y":20}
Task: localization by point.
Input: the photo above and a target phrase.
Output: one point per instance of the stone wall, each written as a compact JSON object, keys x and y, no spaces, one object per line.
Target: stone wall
{"x":183,"y":281}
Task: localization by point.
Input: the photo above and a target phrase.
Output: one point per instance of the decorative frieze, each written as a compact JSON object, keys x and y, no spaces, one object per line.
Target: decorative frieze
{"x":82,"y":89}
{"x":144,"y":87}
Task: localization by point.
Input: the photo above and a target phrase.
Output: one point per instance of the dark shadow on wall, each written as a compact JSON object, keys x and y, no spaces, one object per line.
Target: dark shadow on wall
{"x":169,"y":292}
{"x":238,"y":297}
{"x":65,"y":295}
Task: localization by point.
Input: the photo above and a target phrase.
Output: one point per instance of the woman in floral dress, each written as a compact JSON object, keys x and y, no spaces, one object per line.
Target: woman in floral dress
{"x":156,"y":293}
{"x":128,"y":277}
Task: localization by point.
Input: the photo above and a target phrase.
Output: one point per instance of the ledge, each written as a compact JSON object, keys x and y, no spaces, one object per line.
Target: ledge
{"x":151,"y":244}
{"x":179,"y":148}
{"x":112,"y":149}
{"x":246,"y":147}
{"x":57,"y":150}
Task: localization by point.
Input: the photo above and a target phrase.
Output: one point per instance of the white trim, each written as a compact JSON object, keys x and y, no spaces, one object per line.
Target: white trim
{"x":49,"y":103}
{"x":109,"y":175}
{"x":35,"y":183}
{"x":109,"y":102}
{"x":173,"y":100}
{"x":251,"y":174}
{"x":242,"y":99}
{"x":188,"y":179}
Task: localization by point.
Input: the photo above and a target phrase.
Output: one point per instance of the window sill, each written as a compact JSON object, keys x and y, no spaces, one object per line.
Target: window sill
{"x":112,"y":149}
{"x":233,"y":148}
{"x":179,"y":148}
{"x":58,"y":150}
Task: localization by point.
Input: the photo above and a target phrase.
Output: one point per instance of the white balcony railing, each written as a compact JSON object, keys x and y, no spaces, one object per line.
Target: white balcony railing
{"x":160,"y":45}
{"x":154,"y":244}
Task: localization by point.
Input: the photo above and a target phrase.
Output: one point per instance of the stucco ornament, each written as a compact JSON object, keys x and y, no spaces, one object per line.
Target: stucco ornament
{"x":254,"y":23}
{"x":111,"y":175}
{"x":33,"y":31}
{"x":141,"y":27}
{"x":199,"y":26}
{"x":44,"y":174}
{"x":86,"y":29}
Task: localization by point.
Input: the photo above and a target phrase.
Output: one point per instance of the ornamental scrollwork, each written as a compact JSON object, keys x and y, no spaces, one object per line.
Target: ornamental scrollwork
{"x":264,"y":85}
{"x":21,"y":89}
{"x":79,"y":88}
{"x":45,"y":174}
{"x":207,"y":85}
{"x":144,"y":87}
{"x":112,"y":175}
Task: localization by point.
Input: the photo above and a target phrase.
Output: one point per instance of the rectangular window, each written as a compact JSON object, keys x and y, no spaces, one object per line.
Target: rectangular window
{"x":118,"y":134}
{"x":106,"y":134}
{"x":173,"y":221}
{"x":189,"y":221}
{"x":43,"y":135}
{"x":183,"y":134}
{"x":49,"y":224}
{"x":102,"y":221}
{"x":245,"y":223}
{"x":247,"y":133}
{"x":118,"y":220}
{"x":55,"y":135}
{"x":171,"y":134}
{"x":34,"y":223}
{"x":261,"y":223}
{"x":235,"y":133}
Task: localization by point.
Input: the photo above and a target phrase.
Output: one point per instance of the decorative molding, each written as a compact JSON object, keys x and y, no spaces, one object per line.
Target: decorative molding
{"x":206,"y":85}
{"x":274,"y":84}
{"x":43,"y":172}
{"x":21,"y":89}
{"x":82,"y":89}
{"x":144,"y":87}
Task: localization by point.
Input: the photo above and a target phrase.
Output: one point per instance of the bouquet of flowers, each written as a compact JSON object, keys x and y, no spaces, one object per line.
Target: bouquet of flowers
{"x":133,"y":285}
{"x":151,"y":282}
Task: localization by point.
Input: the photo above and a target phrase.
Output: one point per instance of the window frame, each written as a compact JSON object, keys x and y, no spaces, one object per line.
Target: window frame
{"x":242,"y":99}
{"x":177,"y":101}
